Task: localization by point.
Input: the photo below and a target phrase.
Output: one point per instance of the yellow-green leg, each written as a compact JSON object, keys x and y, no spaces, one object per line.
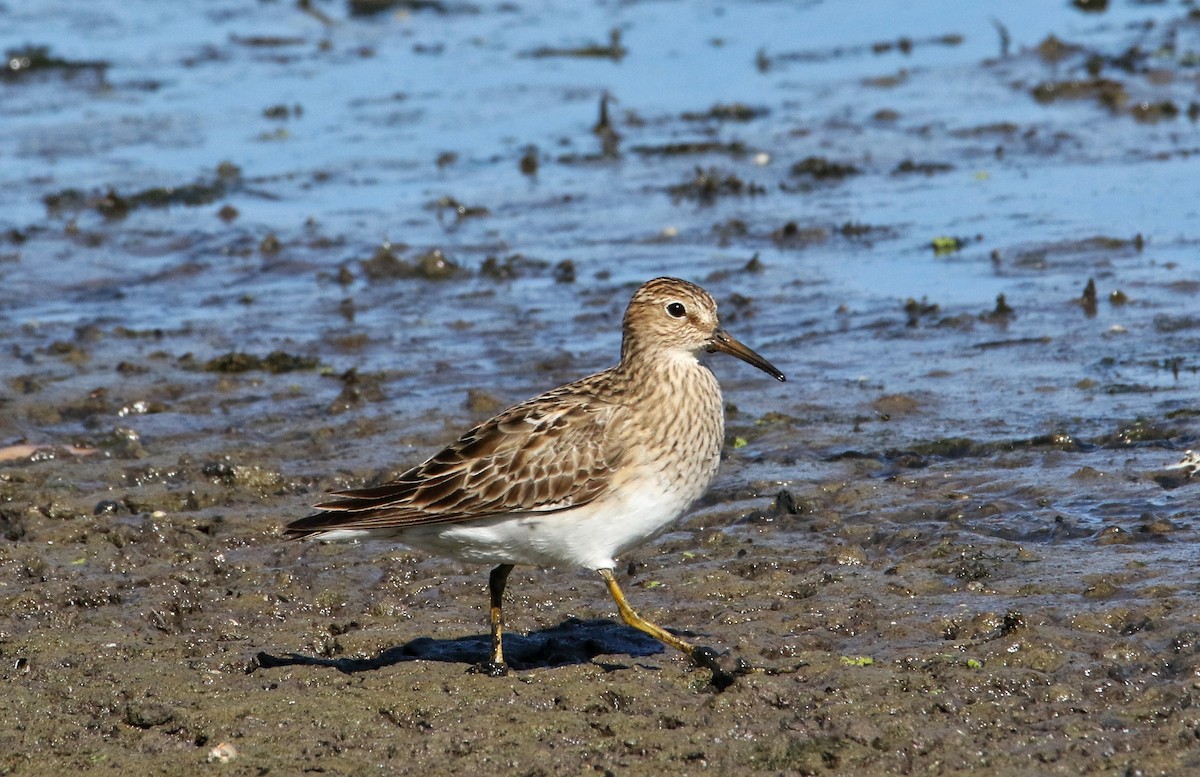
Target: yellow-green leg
{"x":497,"y":580}
{"x":701,"y":656}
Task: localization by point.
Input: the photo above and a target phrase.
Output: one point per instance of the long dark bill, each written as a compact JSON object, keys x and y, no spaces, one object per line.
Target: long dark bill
{"x":726,"y":343}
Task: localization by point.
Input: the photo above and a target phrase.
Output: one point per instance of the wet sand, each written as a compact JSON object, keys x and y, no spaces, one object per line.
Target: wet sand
{"x":950,"y":543}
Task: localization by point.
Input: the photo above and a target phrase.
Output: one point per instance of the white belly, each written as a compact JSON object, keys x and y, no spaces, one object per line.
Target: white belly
{"x":589,"y":536}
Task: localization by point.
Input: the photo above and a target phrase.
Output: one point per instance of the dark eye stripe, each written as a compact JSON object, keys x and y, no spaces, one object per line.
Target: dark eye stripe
{"x":677,"y":310}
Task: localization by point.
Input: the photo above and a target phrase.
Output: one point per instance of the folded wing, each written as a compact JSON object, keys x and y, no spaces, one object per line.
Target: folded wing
{"x":535,"y":457}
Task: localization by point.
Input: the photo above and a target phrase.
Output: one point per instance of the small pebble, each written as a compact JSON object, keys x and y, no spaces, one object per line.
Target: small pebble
{"x":222,"y":753}
{"x":850,"y":556}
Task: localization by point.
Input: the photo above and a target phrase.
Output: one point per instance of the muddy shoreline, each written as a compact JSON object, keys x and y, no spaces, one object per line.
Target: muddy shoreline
{"x":883,"y":645}
{"x":291,"y":249}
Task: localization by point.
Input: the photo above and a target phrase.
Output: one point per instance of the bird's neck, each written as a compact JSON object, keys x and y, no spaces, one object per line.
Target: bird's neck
{"x":654,"y":366}
{"x":665,"y":376}
{"x":676,"y":399}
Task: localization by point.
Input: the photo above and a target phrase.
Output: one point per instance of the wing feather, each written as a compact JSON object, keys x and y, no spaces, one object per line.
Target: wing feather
{"x":550,"y":453}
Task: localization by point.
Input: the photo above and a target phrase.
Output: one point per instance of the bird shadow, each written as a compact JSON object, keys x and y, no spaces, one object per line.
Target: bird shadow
{"x":574,"y":641}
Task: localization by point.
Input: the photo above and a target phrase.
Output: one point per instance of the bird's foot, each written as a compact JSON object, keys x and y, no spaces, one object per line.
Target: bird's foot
{"x":722,"y":677}
{"x":490,"y":669}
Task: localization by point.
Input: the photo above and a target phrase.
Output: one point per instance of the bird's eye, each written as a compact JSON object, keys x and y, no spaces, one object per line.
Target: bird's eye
{"x":676,"y":310}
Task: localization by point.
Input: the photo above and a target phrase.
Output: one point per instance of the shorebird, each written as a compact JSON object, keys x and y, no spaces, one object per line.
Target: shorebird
{"x":575,"y":476}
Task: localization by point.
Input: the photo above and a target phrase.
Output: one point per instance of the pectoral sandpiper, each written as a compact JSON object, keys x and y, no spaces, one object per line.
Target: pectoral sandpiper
{"x":578,"y":475}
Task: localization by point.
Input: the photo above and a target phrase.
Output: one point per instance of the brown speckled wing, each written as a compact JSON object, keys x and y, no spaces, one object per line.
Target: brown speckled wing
{"x":547,"y":454}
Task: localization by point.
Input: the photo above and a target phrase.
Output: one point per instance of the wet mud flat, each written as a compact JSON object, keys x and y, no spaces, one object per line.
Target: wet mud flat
{"x":952,"y":542}
{"x":905,"y":597}
{"x":886,"y":632}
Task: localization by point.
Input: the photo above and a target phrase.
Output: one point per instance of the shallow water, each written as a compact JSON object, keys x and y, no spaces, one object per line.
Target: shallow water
{"x":920,"y":423}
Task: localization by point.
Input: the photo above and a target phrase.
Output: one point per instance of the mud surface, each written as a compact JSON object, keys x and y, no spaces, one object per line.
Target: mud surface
{"x":252,"y":252}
